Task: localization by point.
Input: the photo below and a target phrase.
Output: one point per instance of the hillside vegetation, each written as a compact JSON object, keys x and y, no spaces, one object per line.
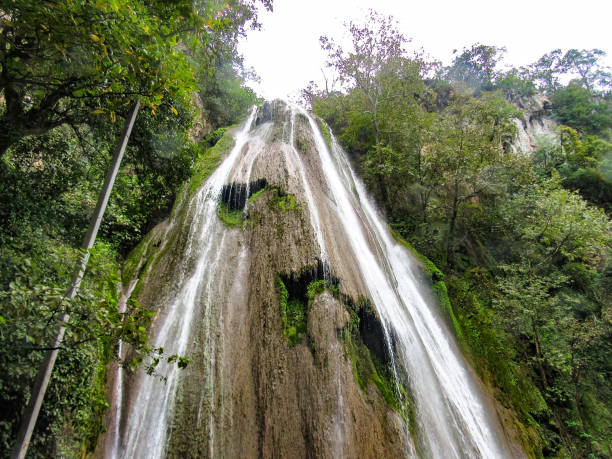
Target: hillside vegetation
{"x":523,"y":238}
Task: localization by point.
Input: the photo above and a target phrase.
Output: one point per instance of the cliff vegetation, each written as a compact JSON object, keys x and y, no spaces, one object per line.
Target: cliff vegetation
{"x":521,"y":238}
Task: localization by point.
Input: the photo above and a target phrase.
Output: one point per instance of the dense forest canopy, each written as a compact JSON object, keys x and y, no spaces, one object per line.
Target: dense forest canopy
{"x":524,"y":238}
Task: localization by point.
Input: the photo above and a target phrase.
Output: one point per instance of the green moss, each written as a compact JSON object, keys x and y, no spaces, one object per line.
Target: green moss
{"x":296,"y":299}
{"x":324,"y":131}
{"x":441,"y":292}
{"x":490,"y":351}
{"x":315,"y":288}
{"x":254,"y":196}
{"x":369,"y":369}
{"x":432,"y":269}
{"x":209,"y":159}
{"x":94,"y":420}
{"x":134,"y":259}
{"x":287,"y":203}
{"x":231,"y":218}
{"x":282,"y":201}
{"x":295,"y":308}
{"x":294,"y":313}
{"x":300,"y":144}
{"x":151,"y":261}
{"x":130,"y":265}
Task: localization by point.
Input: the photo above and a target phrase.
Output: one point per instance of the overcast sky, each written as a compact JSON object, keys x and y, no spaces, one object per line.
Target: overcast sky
{"x":286,"y":52}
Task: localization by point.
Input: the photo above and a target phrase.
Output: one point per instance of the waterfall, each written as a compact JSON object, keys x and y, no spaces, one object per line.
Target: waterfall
{"x":149,"y":412}
{"x":452,"y":418}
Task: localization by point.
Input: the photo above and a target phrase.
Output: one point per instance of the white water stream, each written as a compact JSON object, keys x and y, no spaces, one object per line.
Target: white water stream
{"x":453,"y":419}
{"x":150,"y":410}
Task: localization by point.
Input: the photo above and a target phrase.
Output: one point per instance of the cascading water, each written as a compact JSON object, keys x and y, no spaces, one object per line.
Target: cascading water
{"x":453,"y":421}
{"x":452,"y":418}
{"x":147,"y":422}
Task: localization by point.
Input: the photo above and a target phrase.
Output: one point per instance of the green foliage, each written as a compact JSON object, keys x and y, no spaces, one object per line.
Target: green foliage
{"x":211,"y":139}
{"x":69,"y":62}
{"x":515,"y":85}
{"x":325,"y":130}
{"x":493,"y":353}
{"x":584,"y":64}
{"x":576,"y":106}
{"x":295,"y":307}
{"x":294,"y":312}
{"x":581,"y":161}
{"x":71,"y":70}
{"x":476,"y":66}
{"x":254,"y":196}
{"x":282,"y":201}
{"x":229,"y":217}
{"x":227,"y":97}
{"x":33,"y":303}
{"x":527,"y":259}
{"x":437,"y":278}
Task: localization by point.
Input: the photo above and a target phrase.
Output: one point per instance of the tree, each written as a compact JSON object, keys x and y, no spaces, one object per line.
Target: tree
{"x":66,"y":68}
{"x":375,"y":46}
{"x":467,"y":151}
{"x":46,"y":369}
{"x":476,"y":66}
{"x":560,"y":240}
{"x":546,"y":71}
{"x":69,"y":61}
{"x":576,"y":106}
{"x":385,"y":117}
{"x":586,"y":64}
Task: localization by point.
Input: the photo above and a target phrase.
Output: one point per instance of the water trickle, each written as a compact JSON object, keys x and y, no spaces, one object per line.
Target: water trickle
{"x":296,"y":162}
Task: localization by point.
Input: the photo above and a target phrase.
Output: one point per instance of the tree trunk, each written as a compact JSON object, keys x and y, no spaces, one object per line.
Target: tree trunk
{"x":5,"y":143}
{"x":450,"y":259}
{"x":44,"y":374}
{"x":576,"y":374}
{"x":536,"y":339}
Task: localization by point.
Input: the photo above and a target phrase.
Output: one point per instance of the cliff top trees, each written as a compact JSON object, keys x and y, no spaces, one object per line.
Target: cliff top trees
{"x":476,"y":66}
{"x":383,"y":114}
{"x":376,"y":46}
{"x":585,"y":64}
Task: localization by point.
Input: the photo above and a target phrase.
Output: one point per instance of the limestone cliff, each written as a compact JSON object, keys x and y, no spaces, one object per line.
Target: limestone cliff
{"x":309,"y":330}
{"x":535,"y":126}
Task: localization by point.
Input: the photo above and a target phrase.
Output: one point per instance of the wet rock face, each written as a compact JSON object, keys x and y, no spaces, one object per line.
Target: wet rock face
{"x":264,"y":114}
{"x":535,"y":126}
{"x":275,"y":110}
{"x":251,"y":391}
{"x":235,"y":195}
{"x":372,"y":334}
{"x":289,"y":359}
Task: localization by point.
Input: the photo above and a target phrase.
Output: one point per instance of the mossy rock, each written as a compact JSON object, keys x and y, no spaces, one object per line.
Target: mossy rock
{"x":209,"y":159}
{"x":438,"y":279}
{"x":325,"y":131}
{"x":229,"y":217}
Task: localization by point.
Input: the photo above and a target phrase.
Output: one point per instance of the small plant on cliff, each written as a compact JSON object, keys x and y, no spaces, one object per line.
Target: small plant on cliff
{"x":229,"y":217}
{"x":281,"y":200}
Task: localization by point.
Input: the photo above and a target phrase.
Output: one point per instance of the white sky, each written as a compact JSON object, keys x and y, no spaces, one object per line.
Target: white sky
{"x":286,"y":52}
